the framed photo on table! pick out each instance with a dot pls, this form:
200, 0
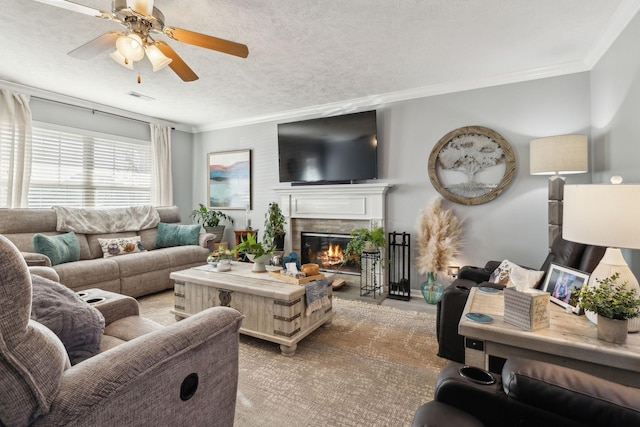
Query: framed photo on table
562, 283
229, 179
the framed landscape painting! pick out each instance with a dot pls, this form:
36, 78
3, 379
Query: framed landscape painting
229, 179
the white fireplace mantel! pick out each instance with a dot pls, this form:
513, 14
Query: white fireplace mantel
346, 202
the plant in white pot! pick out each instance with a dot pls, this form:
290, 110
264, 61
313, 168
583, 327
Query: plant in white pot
439, 241
210, 220
614, 304
257, 252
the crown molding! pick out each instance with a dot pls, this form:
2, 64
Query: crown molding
619, 21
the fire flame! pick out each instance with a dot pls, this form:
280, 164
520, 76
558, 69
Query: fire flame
332, 256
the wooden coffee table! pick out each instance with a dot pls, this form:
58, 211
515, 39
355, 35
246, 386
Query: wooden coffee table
570, 341
273, 310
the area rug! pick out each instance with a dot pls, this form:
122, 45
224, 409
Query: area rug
372, 367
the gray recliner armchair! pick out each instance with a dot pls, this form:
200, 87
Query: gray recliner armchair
183, 374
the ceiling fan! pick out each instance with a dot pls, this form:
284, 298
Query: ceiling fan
141, 19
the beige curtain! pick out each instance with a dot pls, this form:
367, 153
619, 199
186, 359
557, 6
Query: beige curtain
15, 149
161, 178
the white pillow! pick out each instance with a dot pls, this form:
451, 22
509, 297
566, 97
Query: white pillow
121, 246
511, 274
523, 278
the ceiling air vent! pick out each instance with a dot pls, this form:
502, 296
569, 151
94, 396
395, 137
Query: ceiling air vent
141, 96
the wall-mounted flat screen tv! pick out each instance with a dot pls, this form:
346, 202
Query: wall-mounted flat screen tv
338, 149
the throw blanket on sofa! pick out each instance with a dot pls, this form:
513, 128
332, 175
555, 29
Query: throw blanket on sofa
97, 221
317, 295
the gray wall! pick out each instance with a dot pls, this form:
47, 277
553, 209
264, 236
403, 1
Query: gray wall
615, 97
512, 226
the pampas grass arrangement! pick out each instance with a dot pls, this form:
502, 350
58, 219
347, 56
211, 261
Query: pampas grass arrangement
439, 237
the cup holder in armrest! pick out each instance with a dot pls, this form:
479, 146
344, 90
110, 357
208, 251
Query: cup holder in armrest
477, 375
81, 294
94, 301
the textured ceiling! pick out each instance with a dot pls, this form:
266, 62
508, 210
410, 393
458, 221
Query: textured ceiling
309, 55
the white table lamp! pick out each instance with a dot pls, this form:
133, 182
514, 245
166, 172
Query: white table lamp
605, 215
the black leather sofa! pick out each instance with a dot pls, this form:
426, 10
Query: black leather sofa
451, 305
529, 393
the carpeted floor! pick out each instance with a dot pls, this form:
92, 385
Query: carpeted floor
373, 367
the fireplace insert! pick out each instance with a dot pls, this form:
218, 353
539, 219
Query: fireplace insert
327, 250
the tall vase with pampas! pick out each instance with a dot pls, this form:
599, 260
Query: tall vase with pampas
439, 241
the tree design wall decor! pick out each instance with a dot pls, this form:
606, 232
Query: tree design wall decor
471, 165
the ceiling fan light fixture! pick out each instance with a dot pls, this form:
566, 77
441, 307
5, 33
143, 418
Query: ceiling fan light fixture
143, 7
156, 57
130, 46
115, 55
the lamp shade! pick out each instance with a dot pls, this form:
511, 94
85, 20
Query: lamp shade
559, 155
130, 46
143, 7
602, 214
121, 59
156, 57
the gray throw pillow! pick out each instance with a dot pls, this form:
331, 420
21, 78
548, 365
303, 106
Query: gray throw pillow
177, 235
61, 248
78, 325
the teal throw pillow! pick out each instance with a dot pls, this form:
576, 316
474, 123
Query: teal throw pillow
177, 235
61, 248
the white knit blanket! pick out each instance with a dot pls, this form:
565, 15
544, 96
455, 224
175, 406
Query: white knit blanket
96, 221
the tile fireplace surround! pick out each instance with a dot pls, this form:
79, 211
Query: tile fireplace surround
330, 209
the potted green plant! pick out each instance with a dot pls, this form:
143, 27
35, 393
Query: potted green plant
274, 223
614, 304
210, 220
255, 251
365, 240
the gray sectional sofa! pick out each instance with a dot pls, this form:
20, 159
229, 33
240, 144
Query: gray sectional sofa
134, 274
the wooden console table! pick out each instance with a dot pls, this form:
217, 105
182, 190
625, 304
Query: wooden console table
570, 341
273, 310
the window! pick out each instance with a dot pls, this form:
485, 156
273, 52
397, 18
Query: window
78, 168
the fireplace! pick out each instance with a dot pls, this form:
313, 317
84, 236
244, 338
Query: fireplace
334, 210
327, 250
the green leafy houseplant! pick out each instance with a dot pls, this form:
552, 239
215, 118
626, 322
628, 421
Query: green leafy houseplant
208, 217
610, 300
251, 246
274, 223
361, 238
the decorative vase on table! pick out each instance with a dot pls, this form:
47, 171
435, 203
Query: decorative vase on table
258, 262
431, 289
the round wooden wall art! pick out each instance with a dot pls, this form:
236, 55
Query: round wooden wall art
471, 165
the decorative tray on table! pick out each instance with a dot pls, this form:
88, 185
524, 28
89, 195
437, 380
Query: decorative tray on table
294, 280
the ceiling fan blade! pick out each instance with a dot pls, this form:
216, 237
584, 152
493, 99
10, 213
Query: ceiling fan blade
96, 46
76, 7
177, 64
209, 42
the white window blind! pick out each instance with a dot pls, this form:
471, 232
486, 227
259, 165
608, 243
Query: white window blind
88, 171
